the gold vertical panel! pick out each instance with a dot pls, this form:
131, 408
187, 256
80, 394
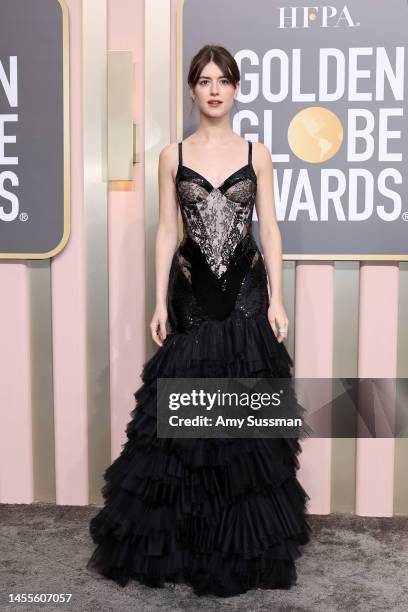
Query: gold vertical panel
289, 284
179, 69
136, 143
44, 484
401, 444
94, 15
157, 131
180, 84
120, 115
42, 384
346, 300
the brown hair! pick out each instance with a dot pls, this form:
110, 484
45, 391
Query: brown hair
220, 56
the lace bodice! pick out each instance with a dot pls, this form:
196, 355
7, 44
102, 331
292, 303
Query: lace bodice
217, 267
216, 218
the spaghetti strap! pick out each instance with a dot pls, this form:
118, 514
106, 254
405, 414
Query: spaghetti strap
180, 153
249, 152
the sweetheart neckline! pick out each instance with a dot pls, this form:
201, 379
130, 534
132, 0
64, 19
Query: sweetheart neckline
208, 182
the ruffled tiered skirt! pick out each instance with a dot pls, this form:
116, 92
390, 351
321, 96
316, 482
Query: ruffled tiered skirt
222, 515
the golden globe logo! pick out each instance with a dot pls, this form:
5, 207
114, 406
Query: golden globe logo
315, 134
291, 17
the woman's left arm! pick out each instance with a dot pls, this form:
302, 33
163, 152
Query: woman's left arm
270, 238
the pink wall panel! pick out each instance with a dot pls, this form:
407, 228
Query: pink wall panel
127, 317
16, 458
68, 273
378, 329
314, 359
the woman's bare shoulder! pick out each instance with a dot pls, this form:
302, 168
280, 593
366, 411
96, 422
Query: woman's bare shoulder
168, 159
169, 152
261, 150
261, 156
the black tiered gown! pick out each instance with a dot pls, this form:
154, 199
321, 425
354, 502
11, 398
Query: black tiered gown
223, 515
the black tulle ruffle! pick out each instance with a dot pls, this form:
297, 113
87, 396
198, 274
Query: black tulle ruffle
223, 515
236, 347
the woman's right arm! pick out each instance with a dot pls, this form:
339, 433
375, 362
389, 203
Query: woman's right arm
166, 239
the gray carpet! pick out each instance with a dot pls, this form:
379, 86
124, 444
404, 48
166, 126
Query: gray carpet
351, 563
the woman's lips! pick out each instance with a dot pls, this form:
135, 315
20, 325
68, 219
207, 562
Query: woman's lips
214, 103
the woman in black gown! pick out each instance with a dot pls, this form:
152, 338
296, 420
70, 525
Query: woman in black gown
223, 515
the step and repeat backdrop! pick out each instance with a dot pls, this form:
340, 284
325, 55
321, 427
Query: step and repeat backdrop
34, 129
325, 88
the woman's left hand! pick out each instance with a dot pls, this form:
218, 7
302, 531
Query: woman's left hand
278, 320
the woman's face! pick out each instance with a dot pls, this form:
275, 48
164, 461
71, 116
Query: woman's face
214, 93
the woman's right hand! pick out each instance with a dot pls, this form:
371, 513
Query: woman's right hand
158, 325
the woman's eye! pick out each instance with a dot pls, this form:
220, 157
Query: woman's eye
205, 81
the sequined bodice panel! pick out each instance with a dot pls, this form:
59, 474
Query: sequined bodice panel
217, 267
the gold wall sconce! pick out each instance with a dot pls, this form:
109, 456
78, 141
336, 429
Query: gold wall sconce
122, 132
